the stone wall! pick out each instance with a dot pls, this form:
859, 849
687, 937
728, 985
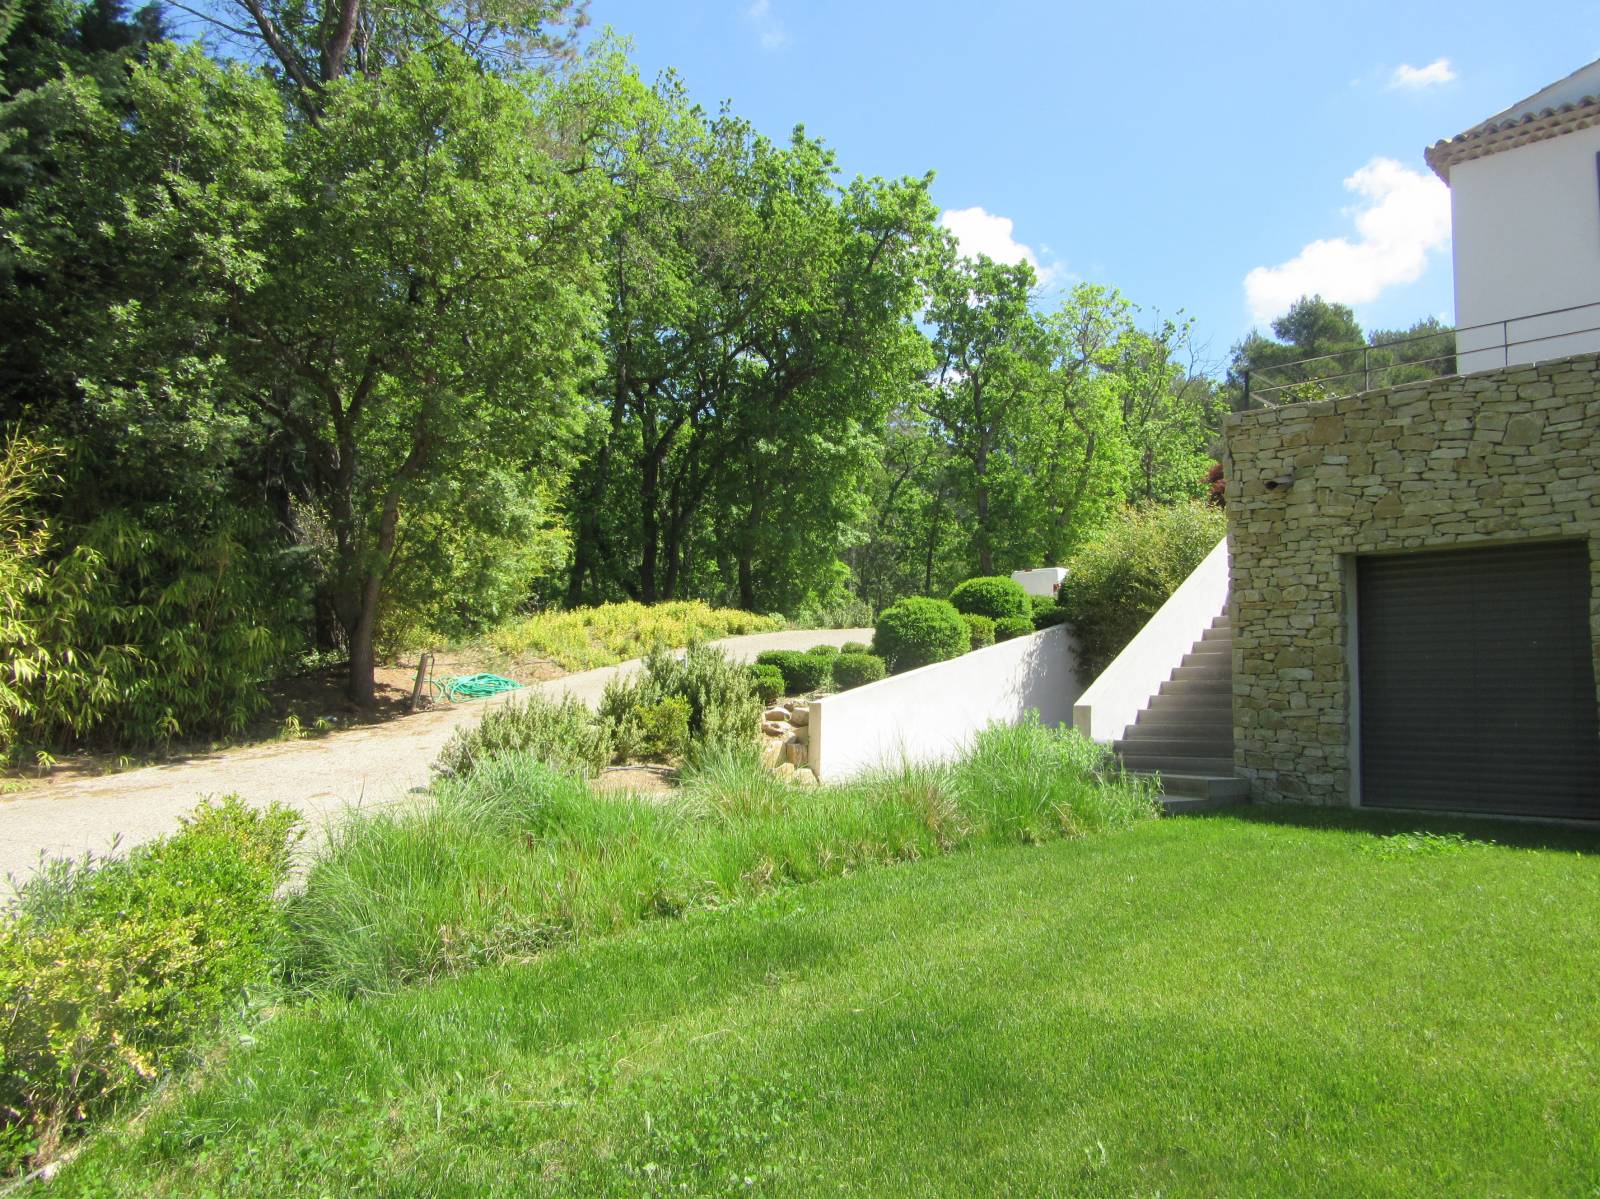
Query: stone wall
1497, 457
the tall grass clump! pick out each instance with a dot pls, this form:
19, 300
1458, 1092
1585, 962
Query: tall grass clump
561, 732
584, 638
518, 855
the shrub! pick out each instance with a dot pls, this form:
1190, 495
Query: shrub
1012, 626
857, 670
1047, 613
980, 630
855, 647
993, 596
720, 694
584, 638
918, 631
802, 673
768, 681
841, 611
559, 731
824, 651
1120, 577
113, 971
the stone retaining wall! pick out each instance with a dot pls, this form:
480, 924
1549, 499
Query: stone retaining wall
1497, 457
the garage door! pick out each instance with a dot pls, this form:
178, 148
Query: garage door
1477, 681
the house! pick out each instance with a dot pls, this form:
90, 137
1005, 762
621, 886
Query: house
1525, 210
1410, 610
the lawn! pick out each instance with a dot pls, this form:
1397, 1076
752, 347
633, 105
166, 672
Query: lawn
1277, 1003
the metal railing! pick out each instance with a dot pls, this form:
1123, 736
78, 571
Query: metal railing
1317, 386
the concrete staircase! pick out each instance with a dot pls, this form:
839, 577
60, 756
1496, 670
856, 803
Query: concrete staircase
1185, 732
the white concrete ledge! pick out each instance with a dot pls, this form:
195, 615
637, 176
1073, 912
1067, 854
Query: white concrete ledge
1111, 702
931, 714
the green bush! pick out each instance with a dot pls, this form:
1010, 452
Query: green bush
1119, 578
113, 971
824, 651
802, 673
560, 731
993, 596
855, 647
720, 694
768, 681
842, 611
980, 629
857, 670
1049, 615
918, 631
1012, 626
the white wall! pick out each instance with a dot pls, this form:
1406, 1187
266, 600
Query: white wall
1043, 580
931, 714
1110, 703
1527, 240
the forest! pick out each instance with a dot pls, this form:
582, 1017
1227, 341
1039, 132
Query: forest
344, 328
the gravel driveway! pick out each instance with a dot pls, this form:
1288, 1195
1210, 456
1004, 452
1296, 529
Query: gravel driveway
321, 777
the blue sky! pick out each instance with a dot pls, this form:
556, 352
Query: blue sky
1217, 158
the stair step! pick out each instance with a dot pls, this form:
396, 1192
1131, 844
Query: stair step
1165, 743
1190, 709
1206, 764
1189, 686
1210, 672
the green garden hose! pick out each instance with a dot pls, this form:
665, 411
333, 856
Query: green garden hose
472, 686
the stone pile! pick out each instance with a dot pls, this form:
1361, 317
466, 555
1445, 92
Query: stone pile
786, 739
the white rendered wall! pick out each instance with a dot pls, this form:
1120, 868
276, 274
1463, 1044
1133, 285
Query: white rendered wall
932, 713
1045, 580
1111, 702
1526, 228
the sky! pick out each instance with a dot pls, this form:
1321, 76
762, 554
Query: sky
1219, 159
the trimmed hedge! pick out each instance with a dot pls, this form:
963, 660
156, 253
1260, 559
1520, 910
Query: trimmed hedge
857, 670
768, 681
919, 631
802, 672
994, 596
980, 629
824, 651
855, 647
1012, 626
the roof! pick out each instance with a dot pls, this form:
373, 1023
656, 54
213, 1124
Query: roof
1565, 106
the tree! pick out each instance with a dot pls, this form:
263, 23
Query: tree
757, 315
398, 291
986, 343
313, 45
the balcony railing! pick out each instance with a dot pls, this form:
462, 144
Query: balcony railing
1489, 346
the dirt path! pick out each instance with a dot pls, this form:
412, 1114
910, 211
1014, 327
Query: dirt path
321, 778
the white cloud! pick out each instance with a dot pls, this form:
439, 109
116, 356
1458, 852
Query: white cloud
978, 231
1416, 78
1403, 216
768, 27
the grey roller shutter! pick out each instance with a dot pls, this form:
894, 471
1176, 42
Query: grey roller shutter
1477, 681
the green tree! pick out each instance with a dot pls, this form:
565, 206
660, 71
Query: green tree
398, 292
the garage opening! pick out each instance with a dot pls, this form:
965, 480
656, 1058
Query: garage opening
1477, 685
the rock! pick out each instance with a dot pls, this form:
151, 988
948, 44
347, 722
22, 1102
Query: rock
794, 752
772, 755
799, 715
776, 728
784, 769
776, 713
804, 778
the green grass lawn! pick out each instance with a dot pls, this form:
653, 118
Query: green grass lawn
1230, 1005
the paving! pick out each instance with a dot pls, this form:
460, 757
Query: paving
322, 777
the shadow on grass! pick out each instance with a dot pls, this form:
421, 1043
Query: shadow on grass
1507, 831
